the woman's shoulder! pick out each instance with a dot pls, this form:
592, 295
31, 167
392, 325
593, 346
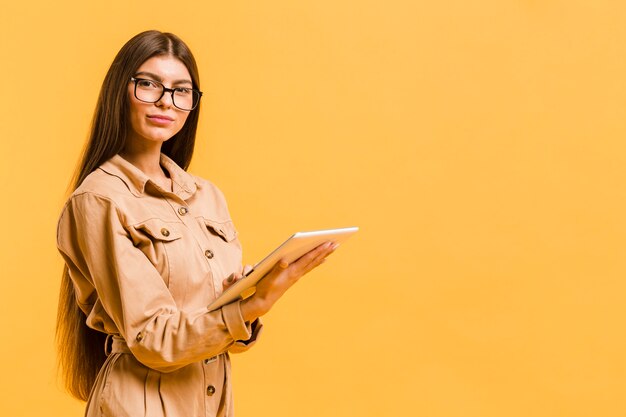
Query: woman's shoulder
96, 192
99, 183
103, 186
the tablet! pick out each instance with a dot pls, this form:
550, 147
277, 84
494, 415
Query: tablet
290, 250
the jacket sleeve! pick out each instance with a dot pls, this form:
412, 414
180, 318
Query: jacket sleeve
112, 274
255, 328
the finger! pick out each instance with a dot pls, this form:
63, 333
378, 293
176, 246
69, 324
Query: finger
313, 254
247, 269
327, 250
232, 278
321, 258
281, 265
310, 255
317, 262
278, 268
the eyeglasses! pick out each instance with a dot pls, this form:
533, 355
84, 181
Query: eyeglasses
150, 91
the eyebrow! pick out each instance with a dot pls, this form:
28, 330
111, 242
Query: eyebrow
160, 79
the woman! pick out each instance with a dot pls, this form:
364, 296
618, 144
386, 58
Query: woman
148, 246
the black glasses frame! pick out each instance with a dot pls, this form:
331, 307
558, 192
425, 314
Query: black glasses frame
164, 90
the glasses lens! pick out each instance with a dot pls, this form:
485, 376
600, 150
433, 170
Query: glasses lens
149, 91
186, 98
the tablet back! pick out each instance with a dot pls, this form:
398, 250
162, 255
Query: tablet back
290, 250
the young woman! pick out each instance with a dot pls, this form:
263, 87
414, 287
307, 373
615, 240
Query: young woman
148, 246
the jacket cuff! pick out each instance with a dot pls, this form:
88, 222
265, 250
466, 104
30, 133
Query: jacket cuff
231, 313
243, 345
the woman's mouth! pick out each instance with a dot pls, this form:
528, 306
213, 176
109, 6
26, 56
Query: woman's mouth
160, 119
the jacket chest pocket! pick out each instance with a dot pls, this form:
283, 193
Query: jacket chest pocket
160, 242
222, 249
224, 230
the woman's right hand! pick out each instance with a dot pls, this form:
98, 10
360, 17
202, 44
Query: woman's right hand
282, 276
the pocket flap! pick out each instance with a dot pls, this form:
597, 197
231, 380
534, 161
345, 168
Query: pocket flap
159, 230
226, 230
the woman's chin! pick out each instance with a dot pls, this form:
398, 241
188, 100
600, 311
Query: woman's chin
154, 137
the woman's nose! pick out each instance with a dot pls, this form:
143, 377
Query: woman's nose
165, 100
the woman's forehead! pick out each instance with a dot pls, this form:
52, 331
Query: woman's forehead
165, 68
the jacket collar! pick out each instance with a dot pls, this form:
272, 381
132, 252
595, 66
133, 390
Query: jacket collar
184, 184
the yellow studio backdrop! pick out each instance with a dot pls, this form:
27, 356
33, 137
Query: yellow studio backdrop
479, 146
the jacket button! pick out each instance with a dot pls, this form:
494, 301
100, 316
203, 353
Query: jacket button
165, 232
182, 211
208, 253
210, 390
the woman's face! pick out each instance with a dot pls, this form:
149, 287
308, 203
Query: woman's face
158, 122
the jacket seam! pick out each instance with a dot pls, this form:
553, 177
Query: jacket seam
119, 212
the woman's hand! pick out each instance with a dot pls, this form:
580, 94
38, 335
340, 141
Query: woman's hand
273, 285
236, 276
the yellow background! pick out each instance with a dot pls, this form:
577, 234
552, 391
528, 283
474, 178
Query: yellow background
479, 145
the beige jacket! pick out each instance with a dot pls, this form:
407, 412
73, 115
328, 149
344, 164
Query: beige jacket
145, 263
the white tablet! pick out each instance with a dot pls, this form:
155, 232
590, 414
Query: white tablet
292, 249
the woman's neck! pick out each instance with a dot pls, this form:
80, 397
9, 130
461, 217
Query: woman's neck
147, 160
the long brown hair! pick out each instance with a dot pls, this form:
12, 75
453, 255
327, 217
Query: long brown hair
81, 349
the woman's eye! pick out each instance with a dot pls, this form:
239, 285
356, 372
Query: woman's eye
183, 91
147, 84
